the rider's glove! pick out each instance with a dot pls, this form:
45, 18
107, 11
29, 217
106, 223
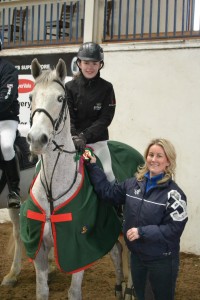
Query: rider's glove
79, 142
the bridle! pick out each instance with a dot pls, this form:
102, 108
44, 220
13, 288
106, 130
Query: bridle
62, 115
60, 148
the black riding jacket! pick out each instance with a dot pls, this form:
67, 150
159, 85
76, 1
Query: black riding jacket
91, 104
160, 214
9, 104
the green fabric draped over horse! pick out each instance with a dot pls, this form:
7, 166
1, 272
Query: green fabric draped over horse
84, 228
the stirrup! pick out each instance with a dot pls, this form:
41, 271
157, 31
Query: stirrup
14, 200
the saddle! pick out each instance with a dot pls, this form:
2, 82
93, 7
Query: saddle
26, 161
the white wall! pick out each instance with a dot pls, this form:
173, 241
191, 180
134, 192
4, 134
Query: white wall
157, 92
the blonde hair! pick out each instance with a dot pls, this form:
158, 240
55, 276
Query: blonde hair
170, 154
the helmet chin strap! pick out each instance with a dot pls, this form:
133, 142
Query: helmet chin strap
102, 65
77, 63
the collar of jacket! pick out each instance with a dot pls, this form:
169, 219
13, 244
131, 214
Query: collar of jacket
152, 181
143, 184
88, 82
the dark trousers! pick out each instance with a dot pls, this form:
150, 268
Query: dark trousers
162, 274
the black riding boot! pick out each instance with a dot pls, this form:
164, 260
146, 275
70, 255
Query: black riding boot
13, 179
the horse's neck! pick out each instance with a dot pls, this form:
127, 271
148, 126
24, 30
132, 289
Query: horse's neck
58, 171
59, 167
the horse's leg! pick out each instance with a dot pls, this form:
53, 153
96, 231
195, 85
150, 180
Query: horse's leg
11, 277
116, 256
74, 292
42, 270
127, 285
129, 290
51, 264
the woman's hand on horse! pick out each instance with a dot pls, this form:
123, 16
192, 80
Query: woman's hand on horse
92, 158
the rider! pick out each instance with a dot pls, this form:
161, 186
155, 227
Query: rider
9, 119
91, 102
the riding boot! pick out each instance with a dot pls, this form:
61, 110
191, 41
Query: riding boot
12, 171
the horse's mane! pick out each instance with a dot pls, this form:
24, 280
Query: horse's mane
47, 76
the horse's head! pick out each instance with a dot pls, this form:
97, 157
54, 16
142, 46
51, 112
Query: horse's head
48, 105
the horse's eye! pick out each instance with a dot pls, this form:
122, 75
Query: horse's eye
60, 99
30, 97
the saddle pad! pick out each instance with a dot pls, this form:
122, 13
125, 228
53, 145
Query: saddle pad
84, 228
125, 160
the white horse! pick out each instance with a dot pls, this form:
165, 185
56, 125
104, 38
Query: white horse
61, 177
26, 176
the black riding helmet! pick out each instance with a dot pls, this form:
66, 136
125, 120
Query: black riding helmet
91, 52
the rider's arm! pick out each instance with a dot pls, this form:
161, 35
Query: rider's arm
8, 86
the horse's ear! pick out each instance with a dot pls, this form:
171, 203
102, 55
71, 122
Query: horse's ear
61, 69
36, 69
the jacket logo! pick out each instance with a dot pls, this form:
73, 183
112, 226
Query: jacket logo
178, 206
137, 192
9, 87
84, 229
98, 106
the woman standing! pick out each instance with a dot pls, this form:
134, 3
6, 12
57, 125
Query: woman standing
154, 218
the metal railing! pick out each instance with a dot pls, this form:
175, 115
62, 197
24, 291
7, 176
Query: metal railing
43, 24
138, 20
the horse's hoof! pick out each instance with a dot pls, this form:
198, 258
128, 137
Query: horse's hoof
119, 296
74, 296
118, 292
51, 276
128, 294
9, 282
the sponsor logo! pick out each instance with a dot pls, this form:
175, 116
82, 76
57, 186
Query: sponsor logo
25, 86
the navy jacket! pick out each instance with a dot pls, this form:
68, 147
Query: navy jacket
91, 104
160, 214
9, 104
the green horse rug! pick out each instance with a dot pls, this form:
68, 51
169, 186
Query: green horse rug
84, 228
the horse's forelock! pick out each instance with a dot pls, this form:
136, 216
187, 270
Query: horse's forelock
47, 76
